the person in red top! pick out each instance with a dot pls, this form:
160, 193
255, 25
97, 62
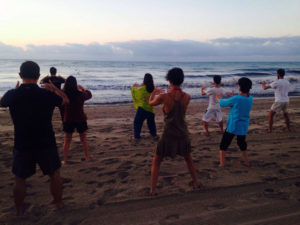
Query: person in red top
74, 116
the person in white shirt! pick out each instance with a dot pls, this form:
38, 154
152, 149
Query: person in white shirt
281, 90
213, 109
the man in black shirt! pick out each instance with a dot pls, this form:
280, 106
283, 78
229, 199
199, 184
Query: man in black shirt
31, 109
57, 81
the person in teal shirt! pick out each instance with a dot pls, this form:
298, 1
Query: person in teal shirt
140, 97
238, 119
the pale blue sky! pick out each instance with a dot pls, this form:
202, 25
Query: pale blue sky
57, 22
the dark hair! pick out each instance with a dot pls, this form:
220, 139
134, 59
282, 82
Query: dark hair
70, 87
30, 70
53, 70
175, 76
148, 82
245, 84
281, 72
217, 79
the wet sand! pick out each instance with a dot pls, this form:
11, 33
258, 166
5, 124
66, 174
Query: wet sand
113, 188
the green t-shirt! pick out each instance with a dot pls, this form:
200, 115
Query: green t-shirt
140, 97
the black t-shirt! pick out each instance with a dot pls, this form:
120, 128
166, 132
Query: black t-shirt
31, 109
57, 81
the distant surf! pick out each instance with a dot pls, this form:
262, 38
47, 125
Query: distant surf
110, 81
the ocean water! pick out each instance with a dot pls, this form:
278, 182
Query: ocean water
110, 81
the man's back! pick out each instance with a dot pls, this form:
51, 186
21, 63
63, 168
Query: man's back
31, 110
56, 80
281, 87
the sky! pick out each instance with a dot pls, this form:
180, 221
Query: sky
150, 30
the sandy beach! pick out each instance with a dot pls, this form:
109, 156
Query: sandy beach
113, 188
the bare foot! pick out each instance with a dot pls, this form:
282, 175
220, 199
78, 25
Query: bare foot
221, 165
64, 162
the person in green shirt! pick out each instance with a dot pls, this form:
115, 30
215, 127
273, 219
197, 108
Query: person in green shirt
140, 96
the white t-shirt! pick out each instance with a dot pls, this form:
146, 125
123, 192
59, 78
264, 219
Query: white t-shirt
212, 93
281, 87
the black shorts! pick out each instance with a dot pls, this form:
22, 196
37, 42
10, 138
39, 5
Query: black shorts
227, 138
24, 163
69, 127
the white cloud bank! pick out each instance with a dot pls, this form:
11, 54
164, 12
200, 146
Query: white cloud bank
221, 49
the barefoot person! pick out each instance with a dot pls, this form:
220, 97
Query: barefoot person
31, 110
74, 116
214, 109
281, 89
175, 138
57, 81
238, 119
140, 96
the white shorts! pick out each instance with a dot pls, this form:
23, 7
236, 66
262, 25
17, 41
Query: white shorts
280, 106
210, 113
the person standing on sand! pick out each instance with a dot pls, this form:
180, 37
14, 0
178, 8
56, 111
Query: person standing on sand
31, 110
57, 81
281, 89
238, 120
140, 96
74, 116
175, 138
213, 109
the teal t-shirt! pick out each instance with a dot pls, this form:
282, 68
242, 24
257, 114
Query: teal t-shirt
239, 114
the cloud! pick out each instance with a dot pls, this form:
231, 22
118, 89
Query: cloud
221, 49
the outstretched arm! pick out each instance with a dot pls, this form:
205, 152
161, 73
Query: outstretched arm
265, 86
158, 100
52, 87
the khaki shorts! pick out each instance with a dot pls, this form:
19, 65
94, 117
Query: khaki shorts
210, 113
280, 106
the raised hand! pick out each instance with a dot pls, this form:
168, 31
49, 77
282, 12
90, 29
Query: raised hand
18, 84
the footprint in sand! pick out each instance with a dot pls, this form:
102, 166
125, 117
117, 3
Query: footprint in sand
66, 180
123, 174
91, 182
216, 206
110, 161
292, 166
270, 178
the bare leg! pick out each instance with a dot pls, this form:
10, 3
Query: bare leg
85, 146
221, 127
67, 142
245, 157
19, 191
271, 116
56, 188
287, 121
191, 167
205, 125
222, 158
154, 173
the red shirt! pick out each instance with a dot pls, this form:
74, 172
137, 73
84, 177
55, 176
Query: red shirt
74, 110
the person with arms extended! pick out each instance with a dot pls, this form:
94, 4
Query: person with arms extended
57, 81
213, 109
281, 89
238, 120
31, 110
175, 138
74, 116
140, 96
